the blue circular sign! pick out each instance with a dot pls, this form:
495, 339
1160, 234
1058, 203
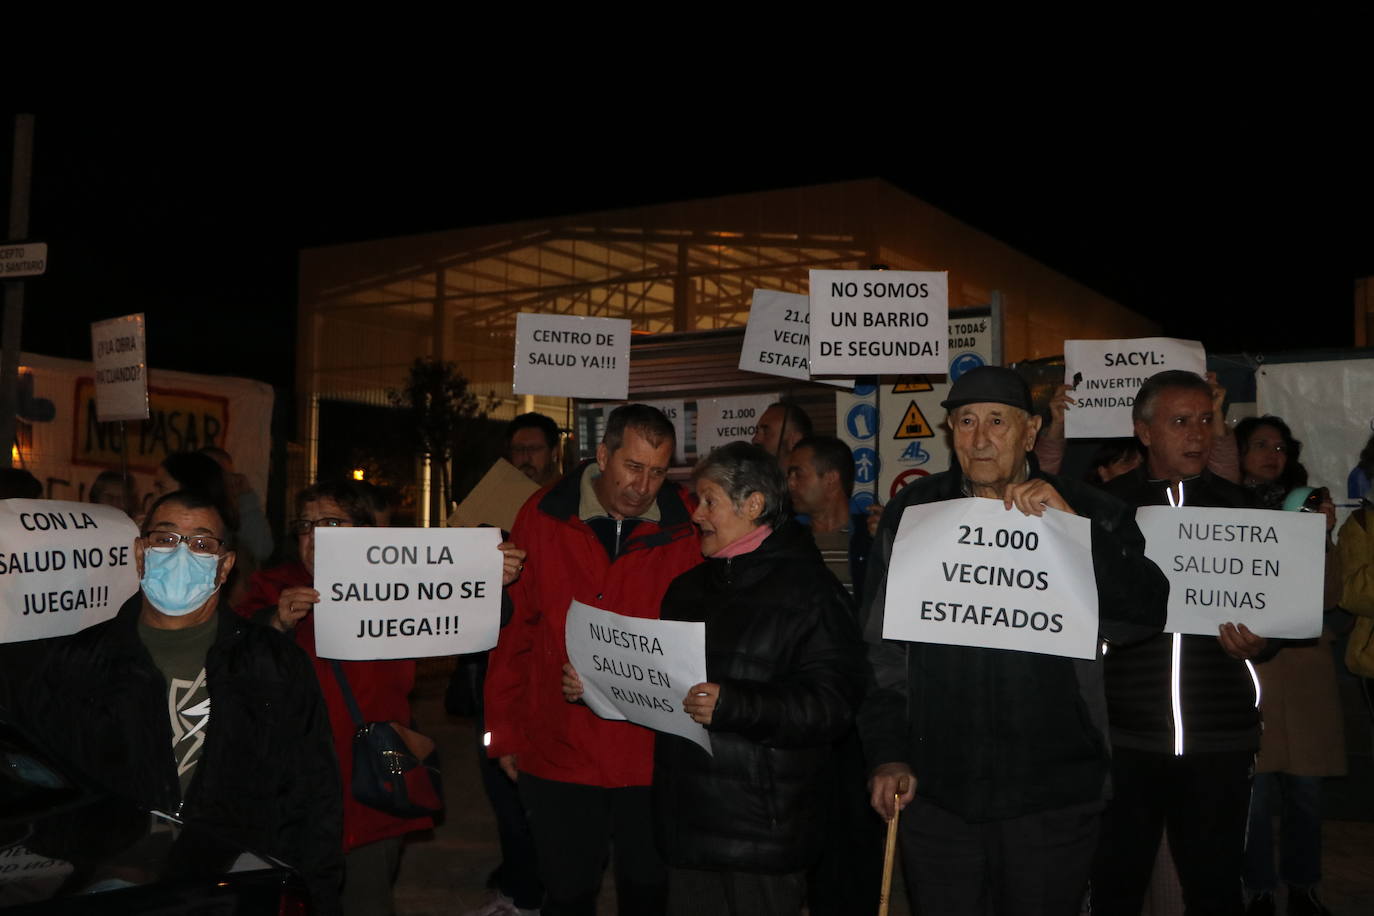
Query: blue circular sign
865, 465
862, 421
864, 390
860, 501
963, 363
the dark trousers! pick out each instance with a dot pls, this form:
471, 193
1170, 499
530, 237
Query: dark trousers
517, 877
1032, 865
1203, 800
575, 828
736, 893
1297, 802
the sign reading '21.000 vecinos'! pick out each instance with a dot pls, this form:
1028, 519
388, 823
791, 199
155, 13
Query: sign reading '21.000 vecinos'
970, 572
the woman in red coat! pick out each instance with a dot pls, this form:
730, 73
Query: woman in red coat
284, 597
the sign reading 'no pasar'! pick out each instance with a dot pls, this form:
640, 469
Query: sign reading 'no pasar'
970, 572
879, 322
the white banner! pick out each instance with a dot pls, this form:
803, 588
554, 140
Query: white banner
406, 592
63, 566
1253, 566
969, 572
572, 357
120, 357
871, 322
777, 340
1108, 373
1330, 408
65, 446
722, 420
637, 669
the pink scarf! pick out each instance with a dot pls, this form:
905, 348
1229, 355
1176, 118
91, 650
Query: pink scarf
745, 544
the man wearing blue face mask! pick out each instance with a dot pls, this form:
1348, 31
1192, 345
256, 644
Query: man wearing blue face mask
194, 711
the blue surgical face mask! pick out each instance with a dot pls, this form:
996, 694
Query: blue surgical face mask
176, 581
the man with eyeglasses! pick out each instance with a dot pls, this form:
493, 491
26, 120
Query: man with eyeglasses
532, 446
193, 711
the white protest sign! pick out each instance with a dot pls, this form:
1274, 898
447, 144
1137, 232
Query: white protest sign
63, 566
638, 669
406, 592
969, 572
572, 357
777, 340
876, 322
722, 420
1253, 566
1108, 374
121, 368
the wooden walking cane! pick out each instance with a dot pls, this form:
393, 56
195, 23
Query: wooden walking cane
890, 853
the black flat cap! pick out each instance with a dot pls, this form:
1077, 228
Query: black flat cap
989, 384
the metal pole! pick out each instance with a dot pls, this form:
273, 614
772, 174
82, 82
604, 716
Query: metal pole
20, 175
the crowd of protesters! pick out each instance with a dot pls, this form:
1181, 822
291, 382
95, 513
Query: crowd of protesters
1033, 783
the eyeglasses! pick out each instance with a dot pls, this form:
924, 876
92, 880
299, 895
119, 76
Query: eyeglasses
201, 544
303, 526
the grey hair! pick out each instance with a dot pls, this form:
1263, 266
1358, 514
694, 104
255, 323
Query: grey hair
741, 469
1143, 410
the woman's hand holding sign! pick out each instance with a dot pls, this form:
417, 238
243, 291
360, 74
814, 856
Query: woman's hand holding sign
700, 702
294, 604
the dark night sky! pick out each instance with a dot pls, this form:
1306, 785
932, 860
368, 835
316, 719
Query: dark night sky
1221, 237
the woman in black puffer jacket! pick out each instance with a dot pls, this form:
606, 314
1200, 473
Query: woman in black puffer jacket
785, 669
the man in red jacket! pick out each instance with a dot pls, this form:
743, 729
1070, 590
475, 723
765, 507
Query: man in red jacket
610, 534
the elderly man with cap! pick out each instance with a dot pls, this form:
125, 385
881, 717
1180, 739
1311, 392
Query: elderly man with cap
1001, 754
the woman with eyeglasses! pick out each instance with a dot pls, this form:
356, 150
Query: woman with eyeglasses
1303, 739
284, 597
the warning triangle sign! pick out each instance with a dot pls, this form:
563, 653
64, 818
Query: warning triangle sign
913, 425
909, 383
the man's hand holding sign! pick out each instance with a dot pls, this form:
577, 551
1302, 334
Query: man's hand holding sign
985, 618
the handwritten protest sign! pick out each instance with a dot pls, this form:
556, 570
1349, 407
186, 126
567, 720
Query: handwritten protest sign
121, 368
722, 420
777, 340
1110, 372
573, 357
876, 322
1253, 566
63, 566
638, 669
406, 592
969, 572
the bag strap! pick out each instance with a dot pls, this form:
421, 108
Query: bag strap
353, 710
